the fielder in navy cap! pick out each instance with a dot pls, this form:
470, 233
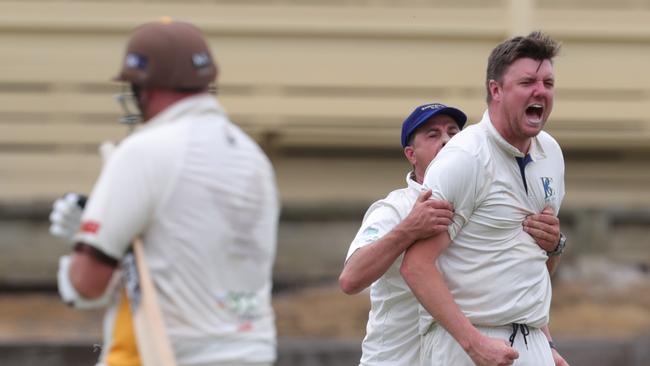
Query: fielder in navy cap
390, 226
423, 113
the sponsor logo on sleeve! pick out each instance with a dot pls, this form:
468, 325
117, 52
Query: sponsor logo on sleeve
370, 234
90, 227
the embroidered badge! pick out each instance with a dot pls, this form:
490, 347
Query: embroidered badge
200, 60
370, 234
136, 61
548, 189
90, 227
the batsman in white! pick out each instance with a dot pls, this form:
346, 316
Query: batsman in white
485, 281
394, 223
202, 196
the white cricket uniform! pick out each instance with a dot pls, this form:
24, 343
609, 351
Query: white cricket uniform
392, 336
202, 195
495, 271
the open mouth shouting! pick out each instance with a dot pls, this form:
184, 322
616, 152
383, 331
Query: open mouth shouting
534, 113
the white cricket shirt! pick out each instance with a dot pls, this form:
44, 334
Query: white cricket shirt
495, 271
202, 195
392, 336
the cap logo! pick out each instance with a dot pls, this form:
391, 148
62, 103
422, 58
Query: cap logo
135, 61
432, 106
200, 60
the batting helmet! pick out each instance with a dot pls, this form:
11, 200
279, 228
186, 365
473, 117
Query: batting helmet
168, 54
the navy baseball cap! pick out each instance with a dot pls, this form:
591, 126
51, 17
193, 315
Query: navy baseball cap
422, 114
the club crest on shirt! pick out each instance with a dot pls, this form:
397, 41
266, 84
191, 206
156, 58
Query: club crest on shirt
549, 192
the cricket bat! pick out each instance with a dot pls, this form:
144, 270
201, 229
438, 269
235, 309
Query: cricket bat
150, 333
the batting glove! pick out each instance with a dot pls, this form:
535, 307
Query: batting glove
65, 219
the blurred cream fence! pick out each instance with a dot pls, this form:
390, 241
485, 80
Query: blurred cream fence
323, 86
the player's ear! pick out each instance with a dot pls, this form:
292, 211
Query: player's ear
410, 154
495, 89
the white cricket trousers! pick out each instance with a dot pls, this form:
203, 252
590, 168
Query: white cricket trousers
439, 348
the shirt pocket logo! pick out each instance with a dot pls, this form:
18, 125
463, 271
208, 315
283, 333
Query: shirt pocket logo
549, 192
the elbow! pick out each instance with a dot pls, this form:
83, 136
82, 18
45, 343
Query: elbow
407, 270
348, 285
413, 269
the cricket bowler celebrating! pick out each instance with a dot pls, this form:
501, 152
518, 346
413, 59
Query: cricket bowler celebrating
485, 281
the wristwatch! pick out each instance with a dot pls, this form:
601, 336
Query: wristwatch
560, 246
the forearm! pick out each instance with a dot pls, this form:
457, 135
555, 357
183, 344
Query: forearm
558, 360
547, 332
431, 291
84, 289
428, 286
369, 263
552, 262
90, 271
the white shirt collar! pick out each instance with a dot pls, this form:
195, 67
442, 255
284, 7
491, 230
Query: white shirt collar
195, 104
411, 183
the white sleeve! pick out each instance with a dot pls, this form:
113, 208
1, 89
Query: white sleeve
378, 221
122, 201
453, 176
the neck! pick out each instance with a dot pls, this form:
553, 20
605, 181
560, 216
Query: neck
417, 175
157, 100
500, 123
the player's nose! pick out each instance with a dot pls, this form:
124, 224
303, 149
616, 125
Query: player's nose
541, 89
